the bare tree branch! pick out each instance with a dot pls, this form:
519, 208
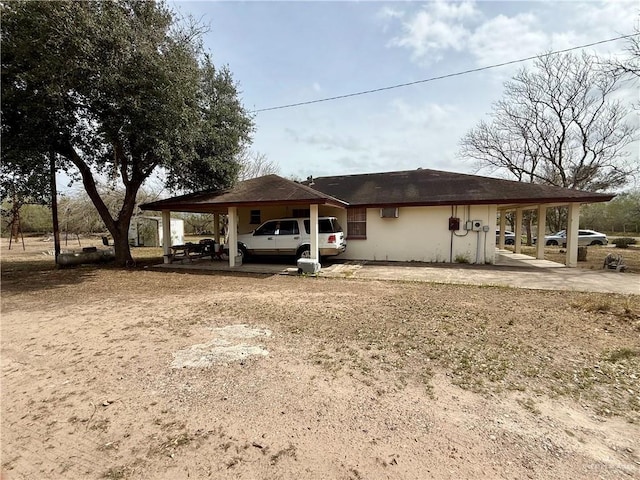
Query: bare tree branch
255, 164
558, 124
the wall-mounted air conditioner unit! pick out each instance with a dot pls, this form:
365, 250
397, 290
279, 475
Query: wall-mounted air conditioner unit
388, 213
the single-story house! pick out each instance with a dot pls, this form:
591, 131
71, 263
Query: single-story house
415, 215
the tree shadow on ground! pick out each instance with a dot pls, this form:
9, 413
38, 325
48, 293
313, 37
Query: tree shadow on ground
36, 275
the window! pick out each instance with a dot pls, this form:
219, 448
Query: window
268, 228
357, 223
255, 217
325, 225
288, 227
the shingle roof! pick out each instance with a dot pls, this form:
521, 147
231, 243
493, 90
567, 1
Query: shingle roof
270, 190
433, 187
422, 187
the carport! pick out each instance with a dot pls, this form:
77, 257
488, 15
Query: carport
270, 190
573, 223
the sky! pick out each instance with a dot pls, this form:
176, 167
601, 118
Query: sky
288, 52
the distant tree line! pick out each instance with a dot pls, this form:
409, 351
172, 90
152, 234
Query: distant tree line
620, 215
78, 216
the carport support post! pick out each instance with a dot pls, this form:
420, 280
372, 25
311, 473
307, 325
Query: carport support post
518, 232
166, 235
233, 235
542, 227
572, 235
503, 227
314, 232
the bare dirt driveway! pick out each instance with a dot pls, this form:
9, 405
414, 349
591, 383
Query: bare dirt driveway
155, 375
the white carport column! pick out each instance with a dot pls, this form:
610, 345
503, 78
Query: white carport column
233, 235
314, 232
166, 235
518, 232
503, 226
542, 228
572, 235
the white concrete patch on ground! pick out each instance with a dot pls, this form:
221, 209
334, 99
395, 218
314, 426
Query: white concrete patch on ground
220, 349
241, 330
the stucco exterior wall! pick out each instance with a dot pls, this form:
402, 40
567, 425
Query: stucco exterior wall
422, 234
418, 234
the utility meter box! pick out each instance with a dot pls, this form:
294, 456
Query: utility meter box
476, 225
308, 265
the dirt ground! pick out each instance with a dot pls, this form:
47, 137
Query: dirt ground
143, 374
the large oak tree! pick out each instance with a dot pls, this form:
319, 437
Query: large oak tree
117, 89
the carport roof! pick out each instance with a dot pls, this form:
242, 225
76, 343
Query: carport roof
267, 190
424, 187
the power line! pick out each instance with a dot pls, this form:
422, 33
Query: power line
448, 75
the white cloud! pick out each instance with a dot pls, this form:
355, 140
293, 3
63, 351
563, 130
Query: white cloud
407, 135
387, 13
442, 27
605, 17
429, 114
437, 27
328, 141
507, 38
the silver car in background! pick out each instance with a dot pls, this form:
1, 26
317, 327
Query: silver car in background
509, 237
585, 238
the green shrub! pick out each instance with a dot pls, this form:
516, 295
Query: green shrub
623, 242
461, 259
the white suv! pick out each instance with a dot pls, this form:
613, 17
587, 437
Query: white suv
290, 236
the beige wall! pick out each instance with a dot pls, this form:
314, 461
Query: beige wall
422, 234
419, 233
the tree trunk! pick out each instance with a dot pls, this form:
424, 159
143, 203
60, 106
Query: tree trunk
119, 227
121, 245
54, 206
528, 221
120, 232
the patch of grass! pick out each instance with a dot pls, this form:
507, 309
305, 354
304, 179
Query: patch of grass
101, 424
621, 354
233, 462
289, 451
593, 305
529, 405
461, 259
182, 439
109, 446
623, 242
115, 473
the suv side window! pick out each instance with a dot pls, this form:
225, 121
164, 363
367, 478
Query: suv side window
268, 228
288, 227
325, 225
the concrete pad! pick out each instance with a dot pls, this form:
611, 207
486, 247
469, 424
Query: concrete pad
511, 270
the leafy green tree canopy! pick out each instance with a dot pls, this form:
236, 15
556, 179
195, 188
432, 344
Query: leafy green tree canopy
117, 88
